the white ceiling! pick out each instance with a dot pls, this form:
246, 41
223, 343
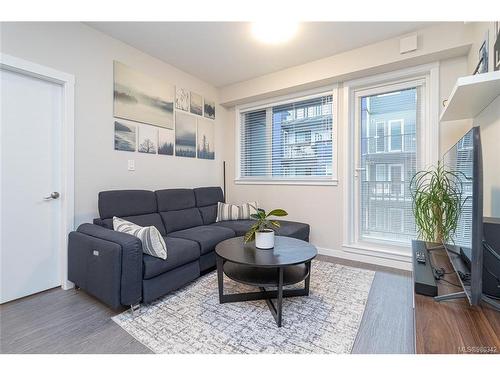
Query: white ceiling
222, 53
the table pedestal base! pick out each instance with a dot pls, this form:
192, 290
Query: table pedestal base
263, 294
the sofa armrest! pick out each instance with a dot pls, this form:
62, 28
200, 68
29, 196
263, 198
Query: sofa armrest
106, 263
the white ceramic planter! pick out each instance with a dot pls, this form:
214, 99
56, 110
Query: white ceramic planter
264, 239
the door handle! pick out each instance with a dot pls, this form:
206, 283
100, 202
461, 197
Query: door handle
357, 170
53, 195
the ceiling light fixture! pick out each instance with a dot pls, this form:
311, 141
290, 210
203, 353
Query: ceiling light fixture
274, 32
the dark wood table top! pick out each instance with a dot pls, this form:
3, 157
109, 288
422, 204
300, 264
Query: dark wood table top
454, 326
286, 252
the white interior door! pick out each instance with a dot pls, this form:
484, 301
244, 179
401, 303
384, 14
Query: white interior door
31, 118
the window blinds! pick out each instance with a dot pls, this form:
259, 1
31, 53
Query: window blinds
291, 141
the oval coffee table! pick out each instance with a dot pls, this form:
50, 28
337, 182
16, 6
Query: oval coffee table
289, 262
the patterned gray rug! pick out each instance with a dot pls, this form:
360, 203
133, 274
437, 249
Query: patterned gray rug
191, 320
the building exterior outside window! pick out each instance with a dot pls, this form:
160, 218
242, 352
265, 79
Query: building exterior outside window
388, 160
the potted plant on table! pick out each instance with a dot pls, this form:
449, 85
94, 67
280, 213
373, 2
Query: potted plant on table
263, 228
437, 203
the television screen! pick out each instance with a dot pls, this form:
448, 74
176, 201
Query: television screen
465, 158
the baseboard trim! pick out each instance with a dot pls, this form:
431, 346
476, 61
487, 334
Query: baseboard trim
371, 259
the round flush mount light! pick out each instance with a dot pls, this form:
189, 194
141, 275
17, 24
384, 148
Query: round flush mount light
274, 32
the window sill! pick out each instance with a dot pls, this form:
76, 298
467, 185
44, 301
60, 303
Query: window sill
393, 252
287, 182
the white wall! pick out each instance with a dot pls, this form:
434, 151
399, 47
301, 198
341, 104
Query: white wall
77, 49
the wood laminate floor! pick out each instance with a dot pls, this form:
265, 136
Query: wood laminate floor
70, 321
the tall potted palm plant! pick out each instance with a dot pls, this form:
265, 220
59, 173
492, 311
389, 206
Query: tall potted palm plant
437, 203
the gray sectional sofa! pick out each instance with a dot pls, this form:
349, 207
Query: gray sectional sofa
111, 265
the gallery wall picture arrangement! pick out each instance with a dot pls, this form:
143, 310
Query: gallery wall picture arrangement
206, 139
196, 104
209, 108
125, 135
141, 98
185, 135
182, 98
149, 118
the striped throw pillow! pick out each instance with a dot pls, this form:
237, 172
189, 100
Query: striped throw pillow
152, 241
235, 211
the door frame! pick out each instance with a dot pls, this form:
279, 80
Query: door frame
429, 73
67, 83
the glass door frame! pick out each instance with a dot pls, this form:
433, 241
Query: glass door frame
426, 76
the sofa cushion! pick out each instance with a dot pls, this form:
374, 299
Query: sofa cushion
124, 203
206, 201
175, 199
227, 211
208, 214
152, 241
208, 196
207, 236
287, 229
180, 252
181, 219
240, 227
293, 229
178, 210
142, 220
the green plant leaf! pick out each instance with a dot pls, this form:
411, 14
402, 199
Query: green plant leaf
261, 213
250, 235
437, 202
277, 212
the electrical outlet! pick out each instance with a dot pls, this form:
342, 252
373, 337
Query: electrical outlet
131, 165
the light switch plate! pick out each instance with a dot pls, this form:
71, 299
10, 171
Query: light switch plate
131, 165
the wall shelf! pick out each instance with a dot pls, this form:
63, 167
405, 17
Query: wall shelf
471, 95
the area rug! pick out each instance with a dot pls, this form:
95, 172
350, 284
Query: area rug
191, 320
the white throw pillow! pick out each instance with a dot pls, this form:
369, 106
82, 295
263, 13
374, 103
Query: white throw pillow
152, 241
243, 211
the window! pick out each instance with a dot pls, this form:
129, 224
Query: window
396, 178
288, 141
380, 136
380, 177
396, 220
396, 135
380, 172
400, 106
386, 119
